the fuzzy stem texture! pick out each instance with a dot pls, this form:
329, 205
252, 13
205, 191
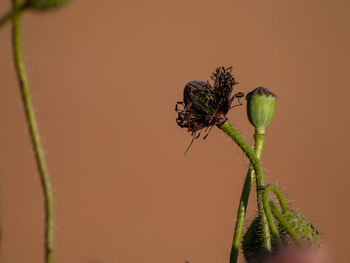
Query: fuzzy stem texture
279, 195
268, 213
35, 135
260, 182
272, 210
13, 13
283, 222
243, 203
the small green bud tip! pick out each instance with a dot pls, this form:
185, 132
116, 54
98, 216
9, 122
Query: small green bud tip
260, 108
253, 243
46, 4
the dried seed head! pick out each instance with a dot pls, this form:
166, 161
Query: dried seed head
205, 105
260, 108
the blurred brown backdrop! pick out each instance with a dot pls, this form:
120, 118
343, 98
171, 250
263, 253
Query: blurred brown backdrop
105, 76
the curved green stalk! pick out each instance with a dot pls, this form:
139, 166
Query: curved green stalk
273, 227
35, 135
282, 221
269, 207
243, 203
12, 14
269, 216
279, 195
260, 182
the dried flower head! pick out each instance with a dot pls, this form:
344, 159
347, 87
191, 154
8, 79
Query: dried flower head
204, 104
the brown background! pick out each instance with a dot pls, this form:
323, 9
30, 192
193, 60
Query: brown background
105, 76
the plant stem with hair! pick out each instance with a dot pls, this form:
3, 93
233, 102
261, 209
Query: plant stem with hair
268, 206
279, 195
243, 203
283, 222
34, 133
260, 182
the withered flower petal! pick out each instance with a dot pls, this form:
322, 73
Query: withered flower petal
204, 104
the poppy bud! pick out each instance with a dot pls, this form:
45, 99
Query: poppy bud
46, 4
253, 243
306, 231
260, 108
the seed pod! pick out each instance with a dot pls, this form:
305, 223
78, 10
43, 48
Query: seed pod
253, 244
46, 4
260, 107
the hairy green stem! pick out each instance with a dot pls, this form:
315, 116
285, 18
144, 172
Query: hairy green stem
269, 216
279, 195
13, 13
260, 182
35, 136
268, 206
283, 222
273, 227
243, 203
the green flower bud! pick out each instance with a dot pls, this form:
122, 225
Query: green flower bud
306, 231
253, 243
46, 4
260, 108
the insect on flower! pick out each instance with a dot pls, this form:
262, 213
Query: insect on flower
205, 105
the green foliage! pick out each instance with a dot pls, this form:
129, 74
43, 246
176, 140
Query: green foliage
47, 4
